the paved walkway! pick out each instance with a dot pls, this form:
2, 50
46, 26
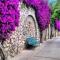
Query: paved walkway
49, 50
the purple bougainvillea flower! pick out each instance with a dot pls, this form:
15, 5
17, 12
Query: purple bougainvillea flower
1, 5
9, 16
43, 17
42, 12
33, 3
57, 24
4, 19
10, 19
4, 28
12, 27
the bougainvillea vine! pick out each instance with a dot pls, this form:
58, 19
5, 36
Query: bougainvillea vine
42, 12
43, 17
57, 24
9, 17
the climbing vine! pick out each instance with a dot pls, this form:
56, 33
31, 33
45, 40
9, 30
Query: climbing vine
42, 12
9, 17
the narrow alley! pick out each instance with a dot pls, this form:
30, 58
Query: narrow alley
49, 50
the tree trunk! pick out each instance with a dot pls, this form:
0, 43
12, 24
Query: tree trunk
2, 55
48, 33
55, 32
41, 34
51, 34
45, 35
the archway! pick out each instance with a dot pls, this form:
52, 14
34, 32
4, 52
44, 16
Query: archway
30, 27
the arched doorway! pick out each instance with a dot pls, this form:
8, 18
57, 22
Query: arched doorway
30, 27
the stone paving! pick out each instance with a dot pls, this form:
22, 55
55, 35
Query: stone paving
49, 50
